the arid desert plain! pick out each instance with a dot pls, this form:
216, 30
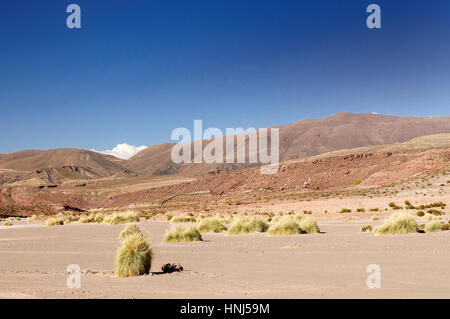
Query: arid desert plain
361, 222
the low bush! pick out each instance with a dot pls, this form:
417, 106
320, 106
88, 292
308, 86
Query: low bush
210, 224
365, 228
398, 223
130, 229
434, 227
286, 226
431, 217
134, 257
121, 218
247, 225
182, 234
54, 221
309, 226
182, 219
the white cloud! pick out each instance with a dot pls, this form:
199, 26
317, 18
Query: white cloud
123, 151
374, 113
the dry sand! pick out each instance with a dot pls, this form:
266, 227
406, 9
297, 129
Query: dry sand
33, 259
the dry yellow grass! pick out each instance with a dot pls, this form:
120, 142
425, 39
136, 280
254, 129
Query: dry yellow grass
182, 234
54, 221
435, 226
398, 223
309, 226
130, 229
134, 257
182, 219
121, 218
210, 224
286, 226
246, 225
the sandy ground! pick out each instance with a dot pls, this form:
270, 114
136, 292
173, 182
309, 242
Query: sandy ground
33, 259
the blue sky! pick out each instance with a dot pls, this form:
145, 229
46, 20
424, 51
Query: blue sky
138, 69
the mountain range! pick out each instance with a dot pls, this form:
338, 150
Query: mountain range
298, 140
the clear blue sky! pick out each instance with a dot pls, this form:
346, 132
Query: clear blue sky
138, 69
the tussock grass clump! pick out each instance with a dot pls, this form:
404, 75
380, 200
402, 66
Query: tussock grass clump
374, 209
7, 223
247, 225
420, 214
210, 224
134, 257
224, 219
276, 219
33, 218
365, 228
121, 218
345, 210
182, 234
182, 219
431, 217
434, 227
98, 218
374, 217
200, 217
307, 212
360, 210
309, 226
54, 221
130, 229
286, 226
398, 223
85, 220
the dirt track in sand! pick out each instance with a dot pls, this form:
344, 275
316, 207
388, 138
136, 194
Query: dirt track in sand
33, 259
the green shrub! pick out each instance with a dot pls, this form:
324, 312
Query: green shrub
134, 258
210, 224
398, 223
345, 210
309, 226
357, 182
420, 213
7, 223
182, 234
247, 225
360, 210
286, 226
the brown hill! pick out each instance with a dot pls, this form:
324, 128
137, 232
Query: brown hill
307, 138
60, 164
